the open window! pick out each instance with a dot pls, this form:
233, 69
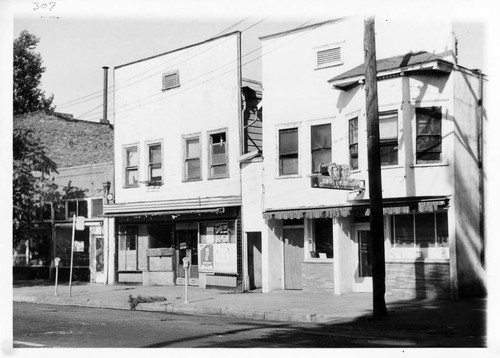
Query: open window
131, 164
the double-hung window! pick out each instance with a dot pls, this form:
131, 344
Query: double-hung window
428, 135
155, 163
321, 145
131, 167
192, 158
288, 151
353, 143
218, 155
388, 128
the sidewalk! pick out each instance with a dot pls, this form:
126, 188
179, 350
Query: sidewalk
461, 321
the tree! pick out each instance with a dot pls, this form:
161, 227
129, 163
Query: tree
32, 187
28, 70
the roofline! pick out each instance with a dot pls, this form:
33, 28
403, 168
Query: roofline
178, 49
279, 34
62, 118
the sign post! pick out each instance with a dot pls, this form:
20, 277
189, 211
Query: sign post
185, 264
78, 224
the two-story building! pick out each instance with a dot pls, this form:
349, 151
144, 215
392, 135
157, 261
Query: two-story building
182, 121
318, 240
83, 153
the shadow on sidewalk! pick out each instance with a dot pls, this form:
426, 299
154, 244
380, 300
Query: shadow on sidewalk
415, 323
39, 283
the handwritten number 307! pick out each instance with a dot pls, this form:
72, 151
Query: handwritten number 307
44, 5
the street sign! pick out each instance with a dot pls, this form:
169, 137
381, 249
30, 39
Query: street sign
80, 223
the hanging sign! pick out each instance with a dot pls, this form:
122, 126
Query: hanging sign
80, 223
336, 176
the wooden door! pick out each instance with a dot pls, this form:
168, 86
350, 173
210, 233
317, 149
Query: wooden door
254, 249
294, 255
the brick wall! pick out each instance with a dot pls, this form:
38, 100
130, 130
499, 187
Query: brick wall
317, 277
70, 142
418, 279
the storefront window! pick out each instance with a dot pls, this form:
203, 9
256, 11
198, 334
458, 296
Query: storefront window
217, 248
323, 238
160, 236
420, 230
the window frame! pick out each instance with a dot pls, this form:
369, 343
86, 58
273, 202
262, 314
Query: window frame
279, 156
440, 135
185, 139
92, 214
170, 73
210, 135
416, 244
353, 144
76, 201
127, 168
150, 165
330, 148
393, 141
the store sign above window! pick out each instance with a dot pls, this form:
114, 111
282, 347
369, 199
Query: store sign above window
336, 176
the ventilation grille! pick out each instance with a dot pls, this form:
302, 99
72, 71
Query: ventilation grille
328, 57
170, 80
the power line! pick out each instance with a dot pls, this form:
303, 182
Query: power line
213, 78
97, 94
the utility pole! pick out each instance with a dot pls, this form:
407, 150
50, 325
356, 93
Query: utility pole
374, 175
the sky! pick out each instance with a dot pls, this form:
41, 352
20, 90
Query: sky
75, 44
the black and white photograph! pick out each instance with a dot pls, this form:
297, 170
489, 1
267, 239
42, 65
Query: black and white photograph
265, 175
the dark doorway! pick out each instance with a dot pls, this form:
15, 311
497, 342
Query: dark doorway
254, 249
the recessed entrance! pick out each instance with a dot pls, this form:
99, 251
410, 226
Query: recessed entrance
363, 262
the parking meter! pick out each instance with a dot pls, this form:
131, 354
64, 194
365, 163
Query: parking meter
56, 264
185, 264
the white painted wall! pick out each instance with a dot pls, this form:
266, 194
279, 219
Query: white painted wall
208, 99
298, 95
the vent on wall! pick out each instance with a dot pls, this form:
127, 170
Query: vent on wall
329, 57
170, 80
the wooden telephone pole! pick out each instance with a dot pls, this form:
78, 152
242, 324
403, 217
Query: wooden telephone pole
374, 175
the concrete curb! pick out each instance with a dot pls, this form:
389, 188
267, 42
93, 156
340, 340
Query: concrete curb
182, 309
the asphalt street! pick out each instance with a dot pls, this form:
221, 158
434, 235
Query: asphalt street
37, 326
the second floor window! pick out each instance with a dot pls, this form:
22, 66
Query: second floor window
154, 165
192, 158
131, 166
428, 134
218, 155
353, 143
321, 145
288, 151
77, 208
388, 127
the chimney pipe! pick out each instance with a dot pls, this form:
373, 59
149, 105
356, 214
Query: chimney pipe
105, 97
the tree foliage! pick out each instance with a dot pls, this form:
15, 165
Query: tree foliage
28, 70
32, 187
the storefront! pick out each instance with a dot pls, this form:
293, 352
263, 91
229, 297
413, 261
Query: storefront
150, 248
328, 250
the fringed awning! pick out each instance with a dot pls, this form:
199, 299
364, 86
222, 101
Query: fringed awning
393, 206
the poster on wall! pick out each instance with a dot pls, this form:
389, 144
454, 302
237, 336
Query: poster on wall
79, 246
225, 258
206, 258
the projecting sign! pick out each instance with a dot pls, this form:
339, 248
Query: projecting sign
336, 176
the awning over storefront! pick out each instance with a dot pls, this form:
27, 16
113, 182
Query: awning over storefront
392, 206
172, 207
